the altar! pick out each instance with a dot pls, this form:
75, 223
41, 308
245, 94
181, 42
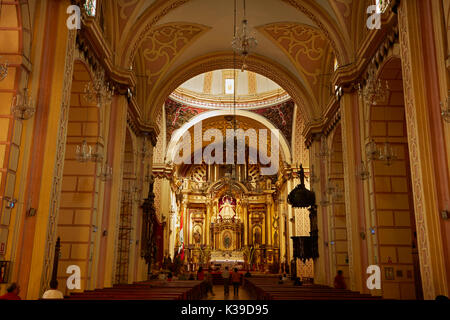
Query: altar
231, 259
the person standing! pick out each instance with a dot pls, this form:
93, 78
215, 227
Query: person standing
12, 293
236, 279
226, 281
200, 274
53, 292
209, 283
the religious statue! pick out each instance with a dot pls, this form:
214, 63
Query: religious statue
197, 236
226, 209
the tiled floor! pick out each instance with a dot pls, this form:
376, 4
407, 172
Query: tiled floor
219, 294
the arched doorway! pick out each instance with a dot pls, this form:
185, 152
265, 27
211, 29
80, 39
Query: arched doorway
391, 191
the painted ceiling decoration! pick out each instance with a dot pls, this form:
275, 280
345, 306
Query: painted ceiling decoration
142, 29
209, 90
178, 114
305, 46
162, 45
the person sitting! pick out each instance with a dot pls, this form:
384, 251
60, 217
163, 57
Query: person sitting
339, 282
284, 278
200, 274
53, 292
169, 276
12, 293
298, 282
248, 274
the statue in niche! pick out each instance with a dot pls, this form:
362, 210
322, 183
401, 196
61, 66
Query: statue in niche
227, 209
257, 237
197, 236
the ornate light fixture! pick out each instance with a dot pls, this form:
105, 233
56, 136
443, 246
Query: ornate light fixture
372, 151
3, 70
446, 109
84, 152
363, 173
330, 188
243, 41
387, 154
374, 90
106, 173
97, 155
23, 107
98, 92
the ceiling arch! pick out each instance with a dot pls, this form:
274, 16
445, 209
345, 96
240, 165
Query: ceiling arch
224, 60
177, 135
313, 12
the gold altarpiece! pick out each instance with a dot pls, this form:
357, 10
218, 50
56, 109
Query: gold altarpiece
224, 217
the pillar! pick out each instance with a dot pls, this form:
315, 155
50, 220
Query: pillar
268, 219
425, 86
245, 205
354, 198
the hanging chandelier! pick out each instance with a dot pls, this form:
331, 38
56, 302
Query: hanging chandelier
97, 155
372, 151
98, 92
23, 107
363, 173
106, 174
374, 90
84, 152
387, 154
243, 40
3, 70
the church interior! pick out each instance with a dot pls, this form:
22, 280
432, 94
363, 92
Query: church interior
289, 139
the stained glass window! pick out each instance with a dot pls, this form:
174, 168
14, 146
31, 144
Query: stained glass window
382, 5
90, 7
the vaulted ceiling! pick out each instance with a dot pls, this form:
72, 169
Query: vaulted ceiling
167, 42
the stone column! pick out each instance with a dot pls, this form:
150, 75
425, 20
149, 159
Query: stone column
268, 221
425, 86
208, 222
245, 207
354, 198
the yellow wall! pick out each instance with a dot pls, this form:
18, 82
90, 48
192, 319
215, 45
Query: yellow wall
78, 204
